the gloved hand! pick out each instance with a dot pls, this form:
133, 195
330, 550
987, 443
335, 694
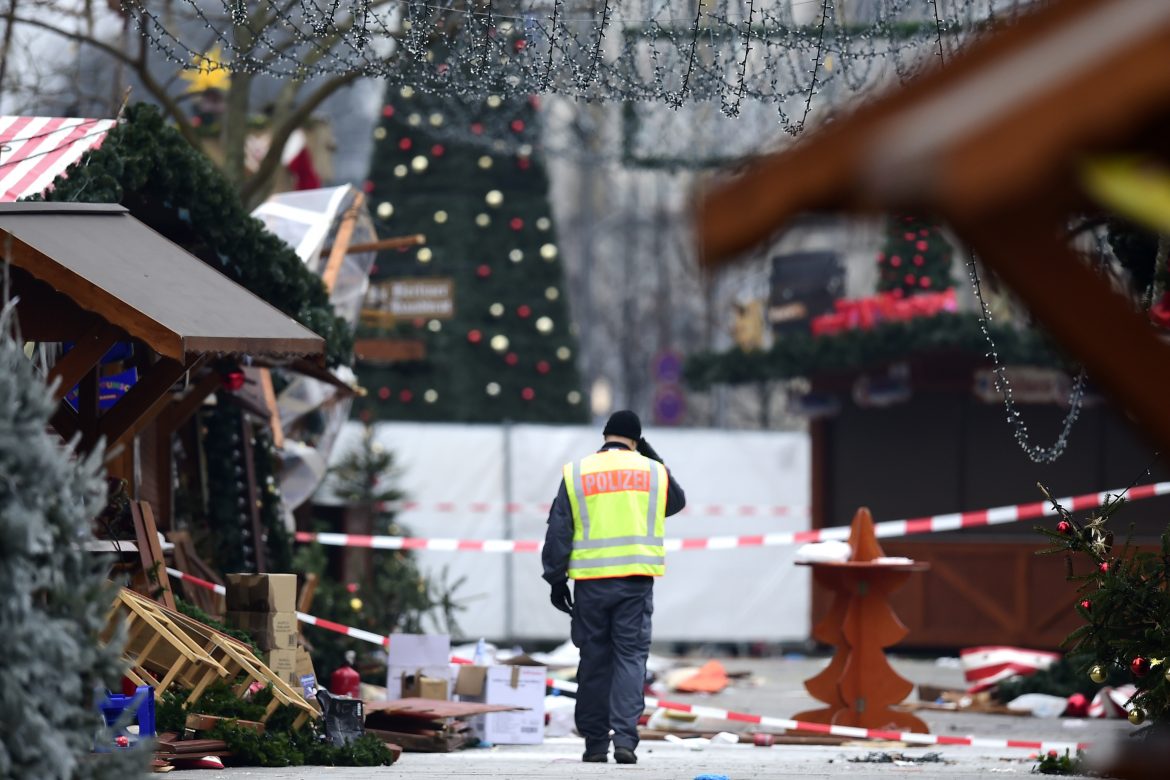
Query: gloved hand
562, 599
646, 450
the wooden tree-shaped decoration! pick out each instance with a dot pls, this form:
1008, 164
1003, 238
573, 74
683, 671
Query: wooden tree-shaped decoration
859, 685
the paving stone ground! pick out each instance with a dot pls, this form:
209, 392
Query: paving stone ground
780, 693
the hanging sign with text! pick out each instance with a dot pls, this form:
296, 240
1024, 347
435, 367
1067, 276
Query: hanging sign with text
394, 300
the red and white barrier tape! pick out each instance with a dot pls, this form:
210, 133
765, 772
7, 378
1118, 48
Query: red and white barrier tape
889, 529
712, 712
541, 509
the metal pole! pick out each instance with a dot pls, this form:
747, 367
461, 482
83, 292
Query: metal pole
509, 560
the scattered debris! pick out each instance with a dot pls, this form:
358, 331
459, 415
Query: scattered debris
900, 759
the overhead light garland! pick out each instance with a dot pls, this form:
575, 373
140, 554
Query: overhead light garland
720, 51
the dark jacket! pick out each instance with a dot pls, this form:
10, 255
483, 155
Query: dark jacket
558, 540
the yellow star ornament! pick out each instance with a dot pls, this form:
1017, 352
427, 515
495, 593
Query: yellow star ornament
209, 73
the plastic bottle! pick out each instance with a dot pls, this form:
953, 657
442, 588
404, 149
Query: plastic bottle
480, 657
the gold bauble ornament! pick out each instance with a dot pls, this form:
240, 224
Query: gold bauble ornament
1137, 716
1167, 674
1097, 673
355, 604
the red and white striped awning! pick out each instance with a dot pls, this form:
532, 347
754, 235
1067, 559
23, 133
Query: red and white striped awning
34, 150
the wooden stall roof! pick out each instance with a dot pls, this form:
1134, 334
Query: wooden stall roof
1009, 116
108, 263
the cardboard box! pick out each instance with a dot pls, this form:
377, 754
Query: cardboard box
295, 667
520, 686
415, 654
261, 592
269, 630
306, 675
419, 686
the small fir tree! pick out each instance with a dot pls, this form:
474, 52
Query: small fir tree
1125, 603
55, 595
916, 258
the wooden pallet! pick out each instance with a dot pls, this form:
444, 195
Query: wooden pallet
165, 647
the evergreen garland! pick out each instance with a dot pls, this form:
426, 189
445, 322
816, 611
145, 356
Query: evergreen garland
278, 541
148, 167
227, 500
55, 594
806, 355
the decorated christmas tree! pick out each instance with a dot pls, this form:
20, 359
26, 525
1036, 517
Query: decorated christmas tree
1125, 603
916, 258
55, 595
471, 179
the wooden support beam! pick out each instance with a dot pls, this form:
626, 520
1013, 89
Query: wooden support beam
143, 401
382, 244
341, 243
88, 408
85, 354
64, 421
154, 565
181, 409
1025, 246
269, 392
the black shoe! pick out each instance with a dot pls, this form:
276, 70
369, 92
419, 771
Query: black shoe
624, 755
595, 758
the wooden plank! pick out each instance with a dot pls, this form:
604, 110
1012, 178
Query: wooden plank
187, 560
198, 722
64, 421
341, 242
181, 409
149, 550
84, 356
269, 393
382, 244
143, 401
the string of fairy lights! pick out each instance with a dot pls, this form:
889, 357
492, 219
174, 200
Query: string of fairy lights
782, 52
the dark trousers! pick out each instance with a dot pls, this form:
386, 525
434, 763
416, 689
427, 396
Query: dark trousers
611, 626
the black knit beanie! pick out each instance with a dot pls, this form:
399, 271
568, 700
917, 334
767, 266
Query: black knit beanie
624, 423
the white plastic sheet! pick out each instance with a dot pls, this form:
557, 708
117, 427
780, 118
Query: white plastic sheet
740, 594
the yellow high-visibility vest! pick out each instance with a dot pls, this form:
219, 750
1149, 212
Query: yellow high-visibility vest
618, 499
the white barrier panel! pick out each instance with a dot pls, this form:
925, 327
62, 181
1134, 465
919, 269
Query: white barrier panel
739, 595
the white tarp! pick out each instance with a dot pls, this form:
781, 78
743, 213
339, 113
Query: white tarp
707, 595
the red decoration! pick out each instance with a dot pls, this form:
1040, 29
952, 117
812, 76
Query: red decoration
1064, 527
1086, 605
387, 111
405, 143
909, 236
484, 271
383, 393
881, 257
406, 396
477, 128
924, 232
520, 45
893, 306
351, 587
524, 311
528, 394
921, 246
511, 358
895, 261
1078, 706
418, 322
518, 125
542, 367
367, 186
345, 681
523, 163
909, 279
233, 380
474, 336
924, 282
437, 150
122, 740
516, 223
1140, 666
919, 260
1103, 567
1160, 311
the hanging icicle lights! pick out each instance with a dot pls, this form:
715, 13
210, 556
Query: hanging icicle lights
664, 51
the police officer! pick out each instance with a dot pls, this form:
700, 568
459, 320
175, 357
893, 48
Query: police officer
605, 531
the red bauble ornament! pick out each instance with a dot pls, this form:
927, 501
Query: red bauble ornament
1078, 706
921, 246
477, 128
528, 394
881, 257
122, 740
924, 232
524, 311
437, 150
919, 260
1140, 666
1064, 527
406, 396
908, 236
233, 380
895, 261
383, 393
516, 223
511, 358
351, 587
484, 271
518, 125
520, 45
405, 143
522, 163
1103, 567
367, 186
387, 111
1086, 605
542, 367
474, 336
924, 282
909, 279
